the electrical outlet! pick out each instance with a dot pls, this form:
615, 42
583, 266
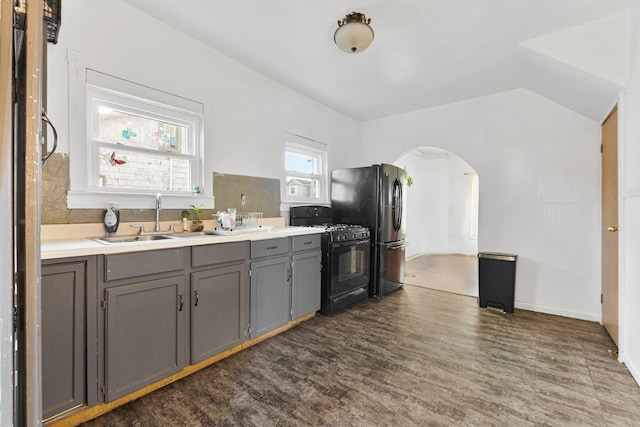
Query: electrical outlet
243, 199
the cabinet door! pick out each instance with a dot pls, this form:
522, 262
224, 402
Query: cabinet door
270, 297
305, 287
144, 334
219, 310
63, 338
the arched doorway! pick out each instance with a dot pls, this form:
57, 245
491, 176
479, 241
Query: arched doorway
441, 220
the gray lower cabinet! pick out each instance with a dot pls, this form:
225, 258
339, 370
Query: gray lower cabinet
66, 339
305, 283
144, 334
270, 286
107, 335
219, 310
270, 297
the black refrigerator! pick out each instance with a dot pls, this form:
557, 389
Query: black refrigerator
374, 196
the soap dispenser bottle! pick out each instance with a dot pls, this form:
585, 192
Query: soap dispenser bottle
111, 219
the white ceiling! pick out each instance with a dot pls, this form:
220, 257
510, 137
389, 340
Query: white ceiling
425, 52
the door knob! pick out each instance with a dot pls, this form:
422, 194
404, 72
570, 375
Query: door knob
612, 229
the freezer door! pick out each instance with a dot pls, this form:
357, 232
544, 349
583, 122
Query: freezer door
355, 196
391, 267
392, 199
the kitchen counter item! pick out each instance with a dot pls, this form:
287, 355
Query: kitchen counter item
248, 218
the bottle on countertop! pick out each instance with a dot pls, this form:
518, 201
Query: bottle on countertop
111, 219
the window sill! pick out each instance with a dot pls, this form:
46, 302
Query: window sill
98, 200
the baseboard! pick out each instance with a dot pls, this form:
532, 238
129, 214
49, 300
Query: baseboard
635, 372
409, 258
592, 317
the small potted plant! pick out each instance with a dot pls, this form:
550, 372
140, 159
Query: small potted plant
196, 222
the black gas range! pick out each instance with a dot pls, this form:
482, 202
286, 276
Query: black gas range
344, 232
346, 252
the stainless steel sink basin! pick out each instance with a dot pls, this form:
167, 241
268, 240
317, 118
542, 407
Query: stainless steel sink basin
186, 234
128, 239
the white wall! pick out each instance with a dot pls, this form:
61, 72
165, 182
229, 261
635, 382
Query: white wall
246, 114
436, 204
539, 170
458, 240
629, 183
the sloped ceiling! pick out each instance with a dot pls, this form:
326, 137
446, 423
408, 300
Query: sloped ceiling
425, 53
584, 67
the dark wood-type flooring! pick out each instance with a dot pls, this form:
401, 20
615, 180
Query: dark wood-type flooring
417, 357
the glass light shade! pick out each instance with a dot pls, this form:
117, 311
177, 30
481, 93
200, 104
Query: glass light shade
353, 37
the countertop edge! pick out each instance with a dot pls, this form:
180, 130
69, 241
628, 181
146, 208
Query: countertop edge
56, 249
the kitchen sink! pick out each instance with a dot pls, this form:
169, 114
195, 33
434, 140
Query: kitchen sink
186, 234
128, 239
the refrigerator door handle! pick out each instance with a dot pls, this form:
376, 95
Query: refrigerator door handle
400, 204
397, 205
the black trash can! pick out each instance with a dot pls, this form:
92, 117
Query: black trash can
497, 280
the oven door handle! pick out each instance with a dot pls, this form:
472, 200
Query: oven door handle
351, 243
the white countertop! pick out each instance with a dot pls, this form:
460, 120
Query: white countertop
52, 249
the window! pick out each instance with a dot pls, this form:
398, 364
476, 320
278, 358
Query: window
305, 173
138, 142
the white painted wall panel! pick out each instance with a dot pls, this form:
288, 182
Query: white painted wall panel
459, 242
629, 147
246, 114
539, 168
435, 205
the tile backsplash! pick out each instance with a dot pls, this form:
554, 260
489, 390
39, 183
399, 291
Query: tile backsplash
261, 195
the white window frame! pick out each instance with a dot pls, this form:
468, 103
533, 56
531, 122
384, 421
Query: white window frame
99, 97
86, 86
312, 148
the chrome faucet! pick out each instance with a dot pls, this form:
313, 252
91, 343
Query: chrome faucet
158, 208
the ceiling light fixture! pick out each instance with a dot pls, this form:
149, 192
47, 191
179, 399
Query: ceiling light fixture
354, 34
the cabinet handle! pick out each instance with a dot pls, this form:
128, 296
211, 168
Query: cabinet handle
308, 243
181, 303
197, 298
272, 247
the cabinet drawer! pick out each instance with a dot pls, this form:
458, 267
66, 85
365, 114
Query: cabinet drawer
306, 243
219, 254
122, 266
263, 248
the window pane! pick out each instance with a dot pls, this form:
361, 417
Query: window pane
127, 169
129, 129
303, 163
302, 187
